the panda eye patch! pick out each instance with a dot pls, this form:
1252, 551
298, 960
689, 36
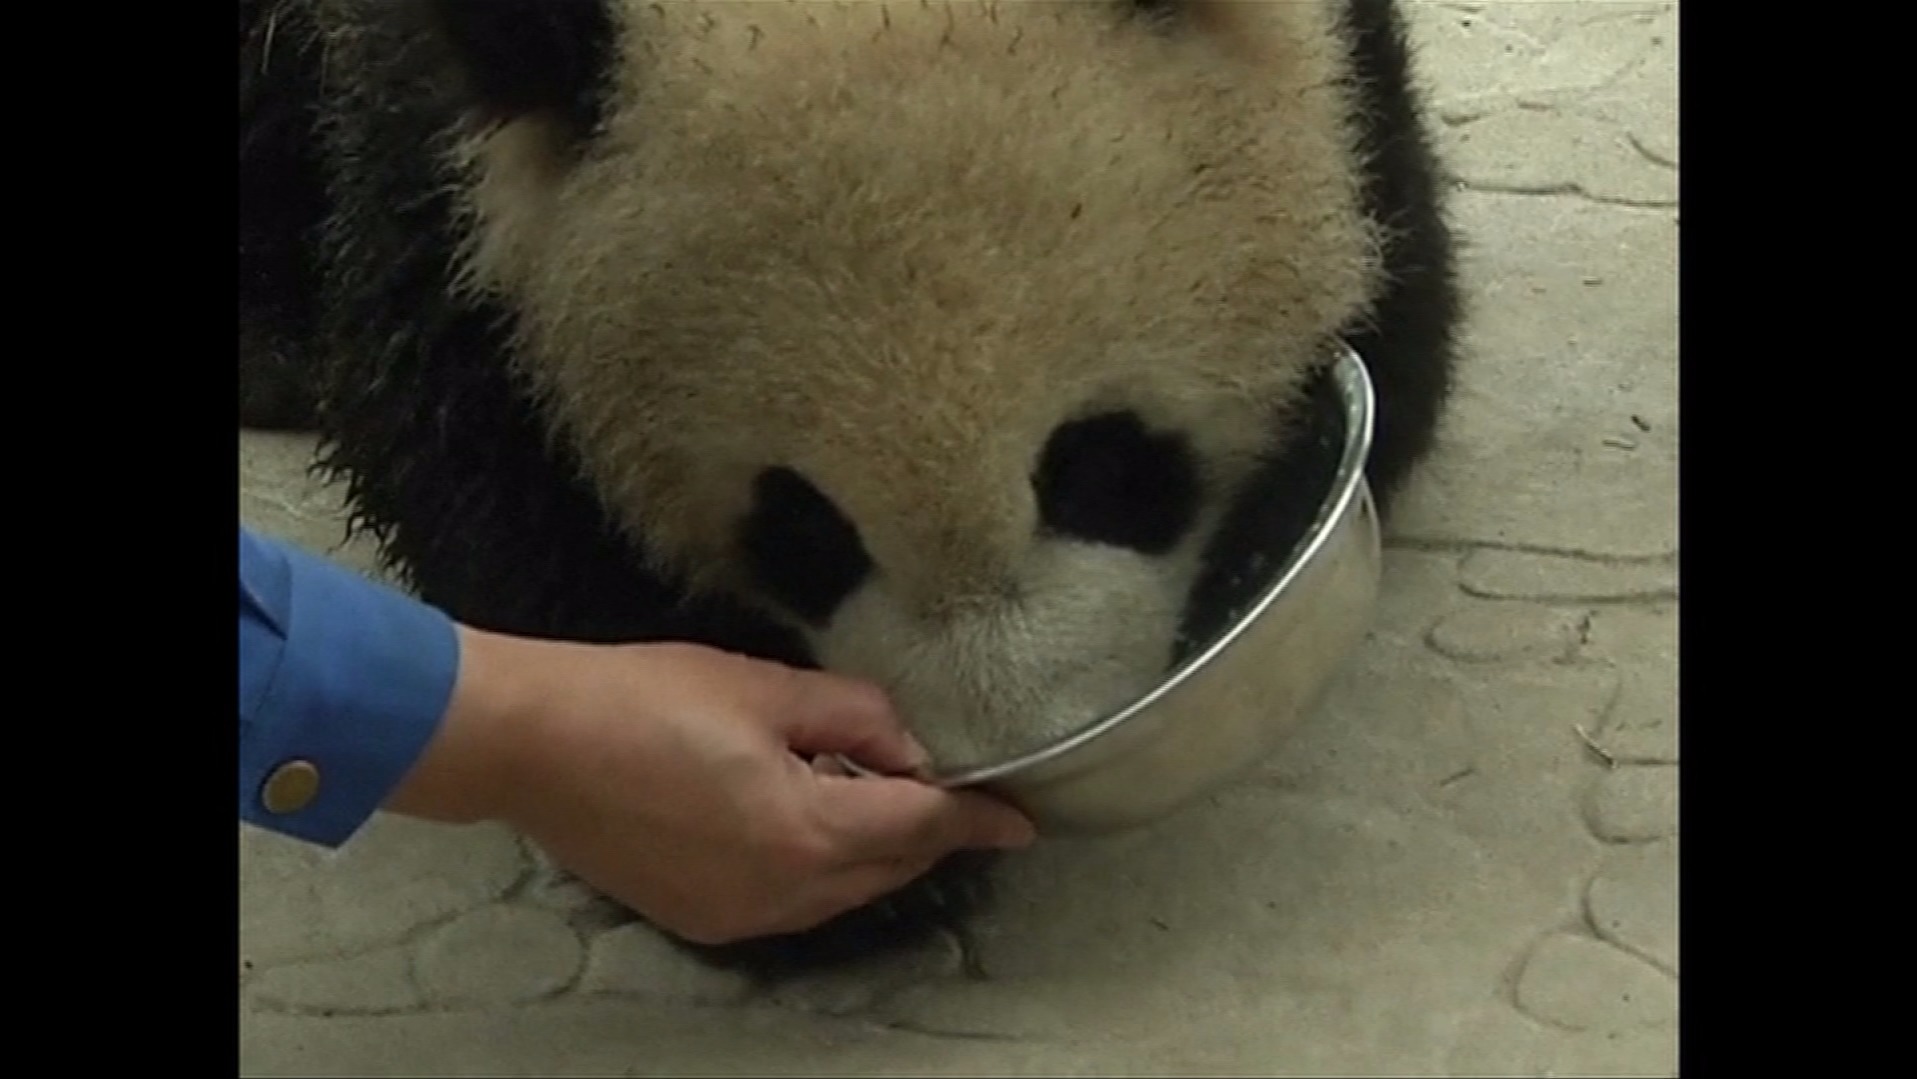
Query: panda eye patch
799, 548
1107, 479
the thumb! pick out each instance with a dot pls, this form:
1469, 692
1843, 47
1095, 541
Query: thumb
829, 713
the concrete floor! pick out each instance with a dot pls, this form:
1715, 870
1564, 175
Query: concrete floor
1466, 864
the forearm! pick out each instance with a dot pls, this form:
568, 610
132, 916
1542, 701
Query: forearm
467, 772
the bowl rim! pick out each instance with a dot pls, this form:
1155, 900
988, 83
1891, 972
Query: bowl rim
1356, 394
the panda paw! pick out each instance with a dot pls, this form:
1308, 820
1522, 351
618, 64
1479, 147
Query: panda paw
586, 910
929, 913
861, 984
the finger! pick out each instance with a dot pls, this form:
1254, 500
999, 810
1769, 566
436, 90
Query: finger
827, 764
828, 713
877, 818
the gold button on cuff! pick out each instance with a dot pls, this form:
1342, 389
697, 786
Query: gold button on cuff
290, 788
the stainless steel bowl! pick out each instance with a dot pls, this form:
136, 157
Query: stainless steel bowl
1229, 706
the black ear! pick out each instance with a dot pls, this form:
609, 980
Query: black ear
527, 56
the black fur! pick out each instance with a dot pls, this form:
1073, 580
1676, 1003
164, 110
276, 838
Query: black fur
281, 200
525, 56
1158, 14
346, 251
1408, 343
1106, 479
1268, 521
801, 549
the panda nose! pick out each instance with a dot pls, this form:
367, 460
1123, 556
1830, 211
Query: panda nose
961, 545
962, 600
960, 574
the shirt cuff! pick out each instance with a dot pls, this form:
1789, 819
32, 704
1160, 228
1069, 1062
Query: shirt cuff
343, 680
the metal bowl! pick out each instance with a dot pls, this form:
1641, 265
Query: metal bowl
1290, 604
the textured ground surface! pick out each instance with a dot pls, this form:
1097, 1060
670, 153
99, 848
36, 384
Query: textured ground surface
1466, 864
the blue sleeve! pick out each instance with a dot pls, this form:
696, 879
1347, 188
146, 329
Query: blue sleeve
340, 676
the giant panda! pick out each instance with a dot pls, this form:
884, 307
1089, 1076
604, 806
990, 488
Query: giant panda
932, 341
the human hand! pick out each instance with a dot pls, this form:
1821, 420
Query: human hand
673, 778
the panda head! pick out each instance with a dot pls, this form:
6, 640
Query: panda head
945, 332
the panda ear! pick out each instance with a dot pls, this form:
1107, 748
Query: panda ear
517, 57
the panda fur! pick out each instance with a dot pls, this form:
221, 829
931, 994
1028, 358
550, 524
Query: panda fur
945, 344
